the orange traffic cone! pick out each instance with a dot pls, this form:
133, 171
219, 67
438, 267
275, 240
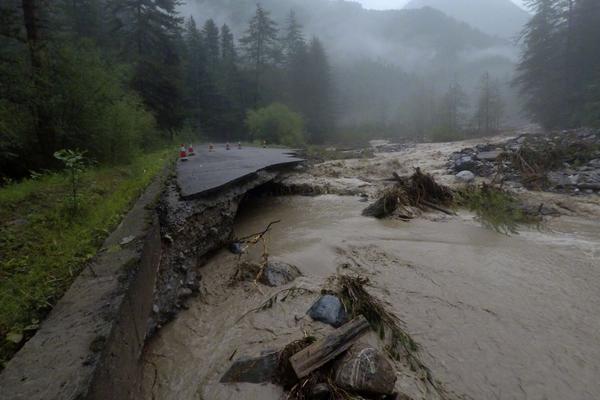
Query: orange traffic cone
210, 147
182, 153
191, 150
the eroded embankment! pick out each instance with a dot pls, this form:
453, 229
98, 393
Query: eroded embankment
91, 343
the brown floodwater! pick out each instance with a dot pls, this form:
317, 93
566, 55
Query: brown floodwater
498, 317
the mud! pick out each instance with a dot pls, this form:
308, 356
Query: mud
498, 317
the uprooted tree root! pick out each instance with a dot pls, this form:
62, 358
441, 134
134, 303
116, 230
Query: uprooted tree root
399, 344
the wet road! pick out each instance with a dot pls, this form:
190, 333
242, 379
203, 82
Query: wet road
208, 171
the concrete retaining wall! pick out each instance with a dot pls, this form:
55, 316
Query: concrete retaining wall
90, 345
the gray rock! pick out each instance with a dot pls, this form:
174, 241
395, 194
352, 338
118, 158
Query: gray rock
561, 179
261, 369
464, 163
489, 155
465, 176
320, 391
236, 248
364, 369
330, 310
279, 273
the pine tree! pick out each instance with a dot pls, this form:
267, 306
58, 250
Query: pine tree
194, 73
261, 48
293, 41
452, 109
210, 34
147, 33
230, 86
490, 106
319, 101
540, 72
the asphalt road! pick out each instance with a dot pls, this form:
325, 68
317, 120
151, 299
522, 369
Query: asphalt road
209, 171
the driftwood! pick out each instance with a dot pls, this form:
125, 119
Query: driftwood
438, 208
322, 351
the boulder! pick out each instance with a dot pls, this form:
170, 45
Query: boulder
464, 163
489, 155
364, 369
279, 273
260, 369
320, 391
236, 248
330, 310
465, 176
273, 274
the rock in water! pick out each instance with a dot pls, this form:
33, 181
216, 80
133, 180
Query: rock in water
330, 310
464, 163
489, 155
278, 273
253, 370
320, 391
364, 369
465, 176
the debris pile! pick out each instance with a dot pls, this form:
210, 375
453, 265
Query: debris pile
418, 191
341, 364
567, 161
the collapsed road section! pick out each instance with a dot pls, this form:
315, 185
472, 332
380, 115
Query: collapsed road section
197, 212
90, 345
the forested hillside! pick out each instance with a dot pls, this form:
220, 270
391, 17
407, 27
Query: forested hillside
385, 63
114, 77
501, 18
559, 73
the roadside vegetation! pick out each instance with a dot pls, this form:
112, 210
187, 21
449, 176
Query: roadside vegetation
45, 241
276, 123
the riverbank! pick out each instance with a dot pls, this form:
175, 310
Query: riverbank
44, 245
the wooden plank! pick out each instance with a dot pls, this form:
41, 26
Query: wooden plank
324, 350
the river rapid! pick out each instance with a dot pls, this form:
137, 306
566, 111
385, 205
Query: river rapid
497, 316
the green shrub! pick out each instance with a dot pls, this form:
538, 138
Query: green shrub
276, 124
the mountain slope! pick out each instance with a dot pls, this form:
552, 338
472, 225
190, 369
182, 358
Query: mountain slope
500, 18
412, 39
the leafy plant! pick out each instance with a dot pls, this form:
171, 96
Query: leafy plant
276, 124
495, 208
74, 164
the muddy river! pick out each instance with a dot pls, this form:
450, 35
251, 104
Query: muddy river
498, 317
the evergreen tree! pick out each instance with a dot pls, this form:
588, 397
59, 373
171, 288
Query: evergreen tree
147, 33
319, 101
231, 86
293, 41
452, 109
540, 71
261, 48
210, 33
490, 106
194, 74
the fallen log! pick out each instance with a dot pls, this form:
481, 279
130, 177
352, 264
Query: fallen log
322, 351
438, 208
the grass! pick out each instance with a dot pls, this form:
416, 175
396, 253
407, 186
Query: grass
43, 247
496, 209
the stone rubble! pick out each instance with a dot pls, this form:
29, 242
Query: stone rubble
577, 171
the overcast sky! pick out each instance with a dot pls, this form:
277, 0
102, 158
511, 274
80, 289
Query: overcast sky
390, 4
